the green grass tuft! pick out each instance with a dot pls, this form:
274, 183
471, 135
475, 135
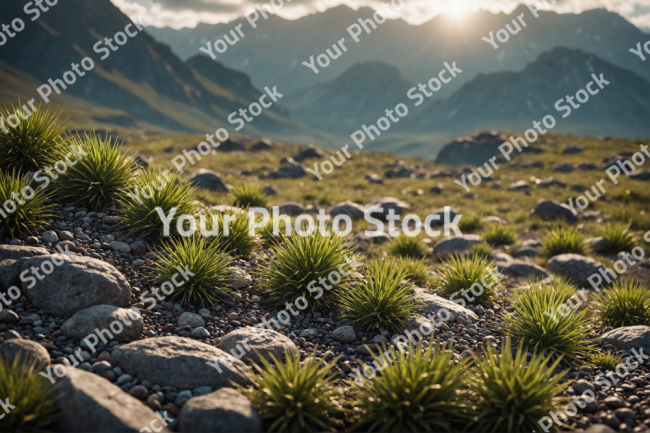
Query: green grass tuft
470, 223
419, 391
481, 249
626, 303
381, 301
416, 271
266, 232
605, 360
32, 145
511, 394
207, 262
248, 195
463, 273
407, 246
233, 235
499, 234
617, 238
564, 240
27, 217
294, 396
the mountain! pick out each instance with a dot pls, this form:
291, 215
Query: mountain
140, 84
359, 95
513, 100
273, 52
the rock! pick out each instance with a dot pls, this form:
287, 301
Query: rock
455, 245
50, 236
550, 181
597, 244
417, 326
231, 146
440, 219
208, 179
121, 247
66, 236
110, 221
629, 337
349, 208
291, 208
175, 361
438, 188
86, 321
551, 209
574, 148
11, 334
522, 269
265, 341
288, 171
574, 266
10, 273
8, 316
474, 150
586, 165
532, 164
269, 190
79, 282
91, 403
640, 175
614, 401
308, 153
262, 145
388, 203
14, 252
432, 304
564, 167
344, 334
520, 185
309, 333
599, 428
493, 220
138, 247
199, 333
401, 173
373, 178
223, 411
194, 320
581, 386
26, 349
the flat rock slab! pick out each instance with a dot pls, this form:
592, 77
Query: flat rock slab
629, 337
264, 341
90, 403
179, 362
223, 411
431, 304
78, 283
101, 317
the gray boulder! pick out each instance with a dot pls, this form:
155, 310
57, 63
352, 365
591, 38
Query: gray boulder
180, 362
262, 145
26, 349
265, 341
291, 208
288, 171
629, 337
344, 334
520, 185
373, 178
574, 266
522, 269
640, 174
597, 244
388, 203
208, 179
88, 402
550, 181
551, 209
231, 146
194, 320
564, 167
223, 411
349, 208
432, 304
455, 245
10, 273
84, 323
417, 328
15, 252
309, 152
79, 282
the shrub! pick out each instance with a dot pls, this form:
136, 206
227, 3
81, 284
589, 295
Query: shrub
617, 238
626, 303
294, 396
513, 394
418, 391
232, 232
104, 175
481, 249
563, 240
32, 395
249, 196
155, 189
32, 145
24, 218
538, 322
208, 263
499, 234
300, 261
415, 270
381, 302
475, 276
605, 360
470, 223
407, 246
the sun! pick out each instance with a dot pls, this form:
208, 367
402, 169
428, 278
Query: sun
456, 8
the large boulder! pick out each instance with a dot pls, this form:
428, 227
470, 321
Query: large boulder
231, 146
15, 252
475, 150
432, 304
309, 152
180, 362
385, 204
552, 209
290, 208
208, 179
10, 273
86, 321
629, 337
26, 349
88, 402
349, 208
79, 282
455, 245
521, 269
265, 341
263, 144
578, 268
223, 411
288, 171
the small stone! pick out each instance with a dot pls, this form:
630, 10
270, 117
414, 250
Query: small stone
309, 333
8, 316
614, 401
344, 334
200, 333
50, 236
139, 392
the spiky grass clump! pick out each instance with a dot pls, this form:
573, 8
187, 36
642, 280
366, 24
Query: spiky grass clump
32, 145
475, 275
557, 288
248, 195
230, 229
156, 191
300, 261
618, 237
32, 395
419, 391
626, 303
563, 240
207, 262
26, 217
292, 396
470, 223
267, 232
537, 320
381, 301
605, 360
481, 249
499, 234
103, 176
513, 394
407, 246
416, 271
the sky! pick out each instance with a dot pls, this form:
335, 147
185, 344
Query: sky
188, 13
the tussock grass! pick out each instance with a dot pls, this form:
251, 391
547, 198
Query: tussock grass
470, 223
617, 238
625, 303
416, 271
464, 273
564, 240
481, 249
231, 231
407, 246
605, 360
27, 217
499, 234
248, 195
